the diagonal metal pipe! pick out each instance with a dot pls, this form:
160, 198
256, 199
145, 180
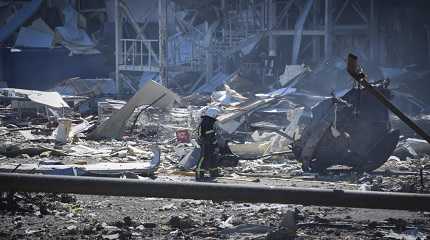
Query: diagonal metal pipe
12, 182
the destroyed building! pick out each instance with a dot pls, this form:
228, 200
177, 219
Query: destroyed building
238, 119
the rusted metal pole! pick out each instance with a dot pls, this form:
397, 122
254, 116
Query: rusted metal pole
358, 75
12, 182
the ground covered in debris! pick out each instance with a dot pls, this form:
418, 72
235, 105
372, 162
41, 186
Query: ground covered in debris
157, 141
42, 216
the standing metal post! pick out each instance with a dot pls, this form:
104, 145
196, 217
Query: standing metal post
162, 40
117, 44
316, 44
328, 27
373, 33
272, 24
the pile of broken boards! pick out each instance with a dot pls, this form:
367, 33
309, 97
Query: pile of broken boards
350, 130
276, 132
42, 134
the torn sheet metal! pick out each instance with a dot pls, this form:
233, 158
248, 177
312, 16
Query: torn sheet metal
74, 38
50, 99
97, 169
232, 125
106, 109
353, 131
66, 130
38, 35
21, 16
151, 93
277, 93
412, 147
231, 121
189, 161
228, 97
86, 87
292, 72
218, 80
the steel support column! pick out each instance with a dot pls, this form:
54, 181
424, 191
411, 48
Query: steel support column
328, 27
162, 30
272, 23
13, 182
117, 43
373, 33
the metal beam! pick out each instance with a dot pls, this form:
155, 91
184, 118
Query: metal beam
316, 41
328, 25
358, 75
284, 12
272, 23
373, 33
293, 32
13, 182
342, 9
297, 41
118, 25
162, 31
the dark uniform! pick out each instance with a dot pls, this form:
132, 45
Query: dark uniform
207, 137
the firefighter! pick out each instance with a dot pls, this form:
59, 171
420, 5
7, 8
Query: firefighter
208, 142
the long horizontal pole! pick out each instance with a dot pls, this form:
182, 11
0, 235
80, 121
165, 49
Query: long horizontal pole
14, 182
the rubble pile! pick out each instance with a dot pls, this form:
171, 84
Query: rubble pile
272, 138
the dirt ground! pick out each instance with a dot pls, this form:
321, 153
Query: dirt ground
46, 216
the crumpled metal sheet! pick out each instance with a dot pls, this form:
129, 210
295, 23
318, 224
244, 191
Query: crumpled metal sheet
355, 133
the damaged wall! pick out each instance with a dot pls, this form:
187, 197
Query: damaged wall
40, 69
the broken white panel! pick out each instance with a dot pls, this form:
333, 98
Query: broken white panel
66, 130
278, 143
229, 97
98, 168
62, 133
50, 99
81, 150
242, 110
417, 147
74, 38
291, 72
277, 93
151, 93
249, 149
